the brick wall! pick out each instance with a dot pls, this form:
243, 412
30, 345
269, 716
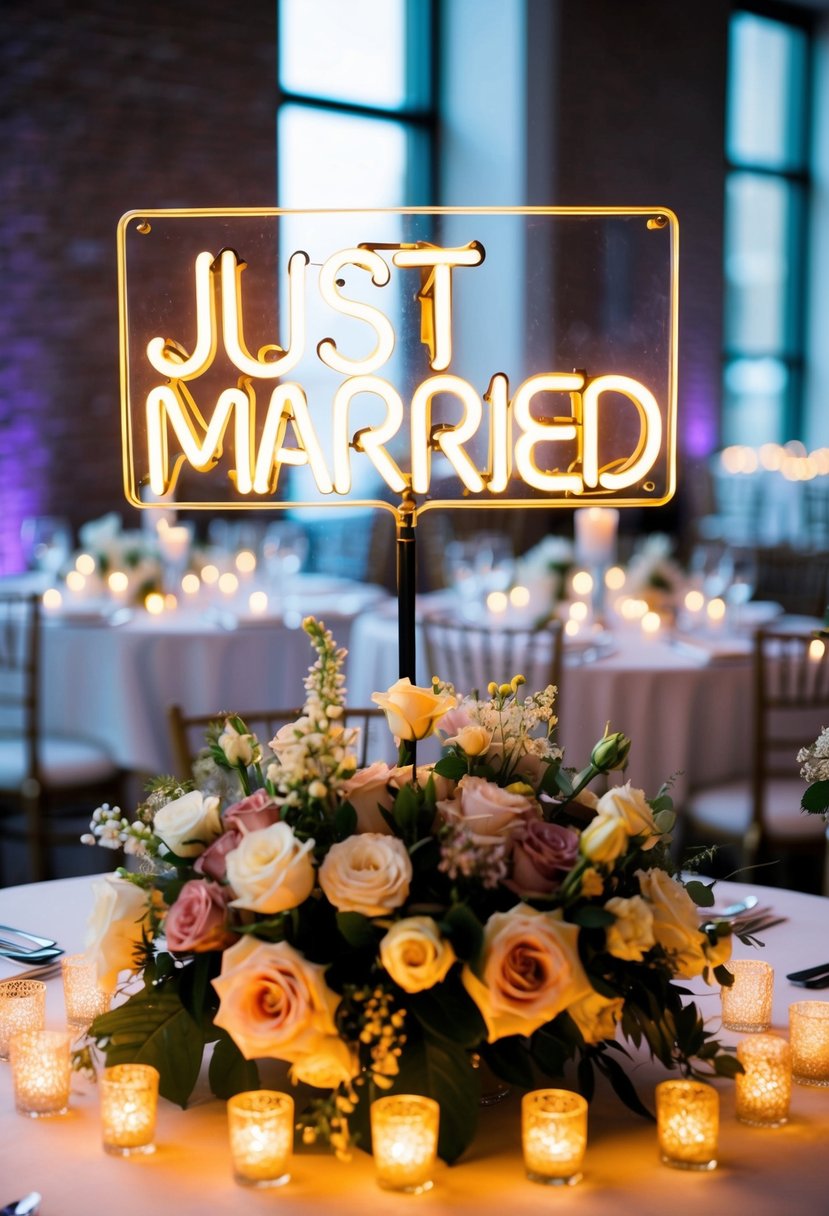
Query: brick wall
105, 106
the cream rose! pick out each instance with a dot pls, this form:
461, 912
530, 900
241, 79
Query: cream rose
415, 954
632, 808
486, 809
369, 873
273, 1001
631, 934
402, 775
412, 712
332, 1063
604, 839
115, 927
367, 791
530, 971
675, 922
270, 870
473, 739
597, 1016
238, 747
187, 825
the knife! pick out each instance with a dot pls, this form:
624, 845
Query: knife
808, 973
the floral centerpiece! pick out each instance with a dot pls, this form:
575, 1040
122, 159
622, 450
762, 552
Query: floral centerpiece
128, 551
387, 928
814, 769
652, 575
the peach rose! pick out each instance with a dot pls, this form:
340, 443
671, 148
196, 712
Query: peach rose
412, 712
488, 811
530, 971
369, 873
415, 954
597, 1016
273, 1001
197, 920
367, 791
270, 870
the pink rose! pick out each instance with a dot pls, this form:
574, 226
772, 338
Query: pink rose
455, 720
367, 791
489, 812
213, 861
196, 921
258, 810
542, 854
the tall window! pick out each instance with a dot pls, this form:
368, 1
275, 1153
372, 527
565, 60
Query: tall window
767, 190
356, 118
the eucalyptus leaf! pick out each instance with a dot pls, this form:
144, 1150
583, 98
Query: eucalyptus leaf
701, 893
815, 798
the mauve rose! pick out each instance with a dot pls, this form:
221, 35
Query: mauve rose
542, 854
367, 791
487, 811
258, 810
196, 921
213, 861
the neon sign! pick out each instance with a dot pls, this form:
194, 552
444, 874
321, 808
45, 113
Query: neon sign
364, 347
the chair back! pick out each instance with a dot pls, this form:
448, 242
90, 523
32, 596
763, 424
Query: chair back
795, 578
19, 675
188, 731
471, 656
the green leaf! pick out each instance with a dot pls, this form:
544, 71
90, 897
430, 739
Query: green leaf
723, 976
591, 917
451, 766
153, 1027
463, 929
444, 1072
815, 798
727, 1066
510, 1060
587, 1079
230, 1073
701, 894
448, 1011
623, 1086
550, 1053
345, 821
357, 930
405, 812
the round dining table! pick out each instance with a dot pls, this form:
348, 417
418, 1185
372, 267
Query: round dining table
761, 1171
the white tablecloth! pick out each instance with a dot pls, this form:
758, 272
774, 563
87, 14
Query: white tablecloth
762, 1172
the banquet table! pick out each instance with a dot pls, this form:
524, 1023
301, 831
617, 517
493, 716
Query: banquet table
761, 1171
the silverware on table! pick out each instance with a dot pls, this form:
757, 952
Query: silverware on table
29, 1205
42, 955
32, 937
807, 977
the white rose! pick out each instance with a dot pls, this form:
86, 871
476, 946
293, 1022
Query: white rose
675, 922
632, 808
597, 1016
115, 927
369, 873
604, 839
270, 870
332, 1063
631, 934
239, 748
187, 825
415, 954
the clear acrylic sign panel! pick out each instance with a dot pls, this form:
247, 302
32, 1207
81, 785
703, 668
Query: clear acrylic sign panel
478, 357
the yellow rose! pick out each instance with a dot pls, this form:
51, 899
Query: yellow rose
604, 839
474, 740
632, 808
631, 934
597, 1016
530, 971
412, 712
415, 954
675, 922
114, 929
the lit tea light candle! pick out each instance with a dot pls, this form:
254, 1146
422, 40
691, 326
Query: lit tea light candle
817, 649
191, 584
582, 582
746, 1004
52, 600
764, 1089
258, 602
519, 597
118, 582
154, 603
84, 564
715, 610
651, 623
41, 1072
210, 574
75, 581
174, 542
83, 998
245, 561
404, 1137
129, 1099
633, 609
578, 611
688, 1124
22, 1007
261, 1127
809, 1038
497, 602
615, 578
572, 628
694, 602
170, 602
554, 1136
228, 583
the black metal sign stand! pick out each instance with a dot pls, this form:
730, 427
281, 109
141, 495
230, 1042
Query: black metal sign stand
406, 590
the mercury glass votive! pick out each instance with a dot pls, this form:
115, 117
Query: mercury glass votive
129, 1099
763, 1091
83, 998
41, 1072
404, 1138
746, 1004
554, 1136
809, 1038
687, 1122
261, 1127
22, 1007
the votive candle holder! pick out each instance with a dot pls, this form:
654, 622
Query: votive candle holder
688, 1123
41, 1072
129, 1101
22, 1007
809, 1038
261, 1128
763, 1090
83, 998
404, 1138
747, 1003
554, 1136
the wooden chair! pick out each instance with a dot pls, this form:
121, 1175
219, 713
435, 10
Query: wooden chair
49, 784
187, 731
471, 656
761, 814
795, 578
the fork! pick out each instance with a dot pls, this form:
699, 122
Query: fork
32, 937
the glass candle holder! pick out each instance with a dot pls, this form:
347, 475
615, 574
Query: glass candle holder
404, 1137
687, 1122
746, 1005
22, 1007
129, 1099
554, 1136
763, 1091
83, 998
809, 1038
41, 1072
261, 1127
